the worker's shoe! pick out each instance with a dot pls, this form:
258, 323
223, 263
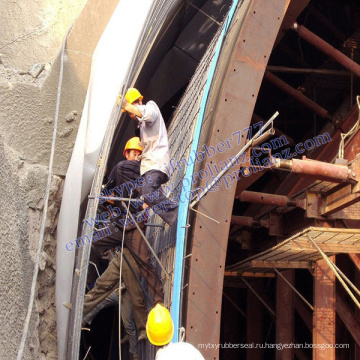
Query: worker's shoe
142, 335
67, 305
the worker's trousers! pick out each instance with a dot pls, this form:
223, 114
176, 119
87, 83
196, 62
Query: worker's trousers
109, 281
153, 195
126, 312
138, 249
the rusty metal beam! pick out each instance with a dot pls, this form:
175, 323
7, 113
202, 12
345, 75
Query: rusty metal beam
256, 119
233, 95
321, 19
284, 69
355, 258
324, 310
234, 304
263, 137
285, 314
304, 312
316, 169
293, 12
316, 204
326, 48
254, 323
339, 200
348, 318
297, 95
244, 221
248, 274
261, 297
327, 153
268, 199
247, 181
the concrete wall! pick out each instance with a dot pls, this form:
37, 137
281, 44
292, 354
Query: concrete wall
31, 35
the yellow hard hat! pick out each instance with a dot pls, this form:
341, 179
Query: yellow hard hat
131, 95
133, 144
159, 326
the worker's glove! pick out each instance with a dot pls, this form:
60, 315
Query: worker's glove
118, 100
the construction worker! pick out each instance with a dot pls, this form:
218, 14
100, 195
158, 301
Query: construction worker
128, 171
133, 240
160, 331
106, 293
155, 156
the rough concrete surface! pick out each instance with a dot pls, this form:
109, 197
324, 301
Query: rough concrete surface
21, 192
31, 31
31, 35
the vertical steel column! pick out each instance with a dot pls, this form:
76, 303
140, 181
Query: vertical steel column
254, 324
357, 311
234, 322
233, 95
356, 260
324, 310
285, 314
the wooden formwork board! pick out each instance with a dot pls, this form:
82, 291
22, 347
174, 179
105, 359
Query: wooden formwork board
298, 251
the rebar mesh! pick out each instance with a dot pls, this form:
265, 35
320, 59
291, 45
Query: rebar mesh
180, 134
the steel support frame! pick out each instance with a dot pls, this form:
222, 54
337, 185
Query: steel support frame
254, 324
327, 49
348, 318
298, 96
285, 314
324, 310
356, 259
233, 96
264, 198
293, 184
318, 169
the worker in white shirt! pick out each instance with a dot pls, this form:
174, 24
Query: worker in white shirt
155, 156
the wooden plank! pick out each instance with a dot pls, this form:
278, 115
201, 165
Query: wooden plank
231, 273
258, 274
339, 200
282, 264
249, 274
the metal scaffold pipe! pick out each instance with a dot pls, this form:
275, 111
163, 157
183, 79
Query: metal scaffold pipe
263, 137
244, 221
317, 169
326, 48
297, 95
266, 199
333, 268
233, 160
